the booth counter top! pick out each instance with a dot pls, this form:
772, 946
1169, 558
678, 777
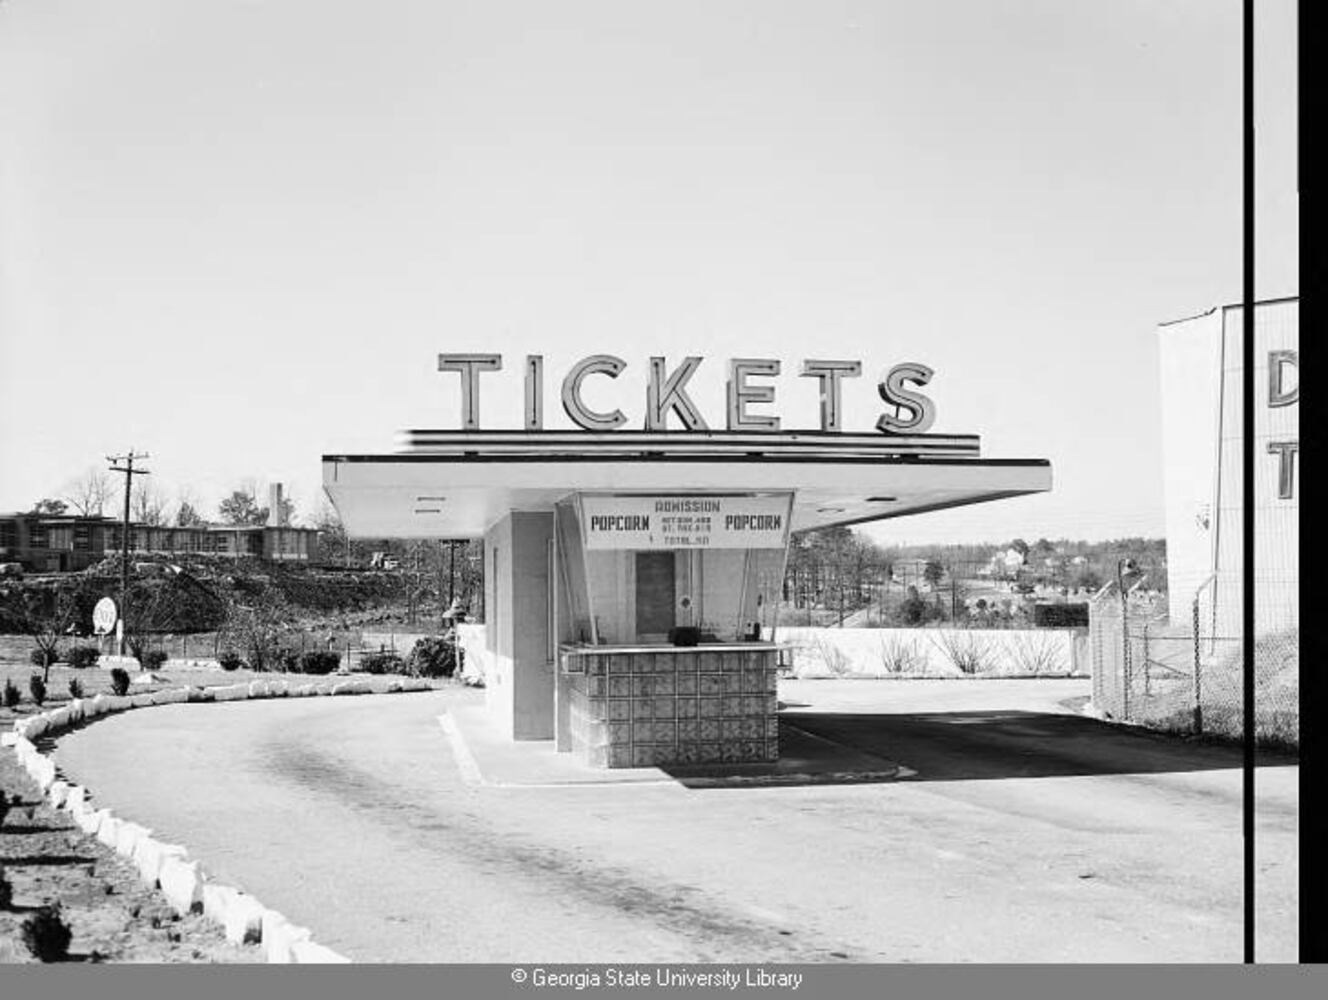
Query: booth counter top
703, 647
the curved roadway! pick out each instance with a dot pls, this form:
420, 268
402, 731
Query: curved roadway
1029, 834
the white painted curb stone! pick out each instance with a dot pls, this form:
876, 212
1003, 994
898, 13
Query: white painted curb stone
149, 855
181, 884
240, 915
109, 829
57, 794
309, 953
279, 934
128, 837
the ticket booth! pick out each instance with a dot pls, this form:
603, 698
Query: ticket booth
662, 601
632, 578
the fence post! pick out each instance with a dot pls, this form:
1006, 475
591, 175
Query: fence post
1198, 674
1125, 655
1147, 669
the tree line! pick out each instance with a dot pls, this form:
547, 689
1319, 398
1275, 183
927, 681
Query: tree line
839, 570
96, 494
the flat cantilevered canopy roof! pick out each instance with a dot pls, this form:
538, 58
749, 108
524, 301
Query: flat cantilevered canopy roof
456, 484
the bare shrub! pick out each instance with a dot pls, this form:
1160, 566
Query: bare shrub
835, 659
899, 655
969, 651
1037, 655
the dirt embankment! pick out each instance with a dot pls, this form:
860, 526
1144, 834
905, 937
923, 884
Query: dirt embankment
192, 594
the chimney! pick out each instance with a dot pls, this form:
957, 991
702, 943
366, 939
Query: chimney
274, 512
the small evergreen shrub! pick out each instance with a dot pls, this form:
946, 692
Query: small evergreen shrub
82, 657
289, 660
12, 694
75, 688
46, 934
318, 661
37, 688
382, 663
230, 660
119, 681
152, 659
433, 656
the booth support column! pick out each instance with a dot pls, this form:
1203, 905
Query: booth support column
519, 692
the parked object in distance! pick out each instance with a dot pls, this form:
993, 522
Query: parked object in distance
11, 569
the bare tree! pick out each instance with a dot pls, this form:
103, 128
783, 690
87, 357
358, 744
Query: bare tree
188, 510
90, 492
146, 504
259, 627
45, 617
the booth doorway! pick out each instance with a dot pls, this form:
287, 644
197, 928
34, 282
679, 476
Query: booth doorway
656, 577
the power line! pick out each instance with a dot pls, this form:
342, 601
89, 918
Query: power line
129, 473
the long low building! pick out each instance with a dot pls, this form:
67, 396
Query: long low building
46, 543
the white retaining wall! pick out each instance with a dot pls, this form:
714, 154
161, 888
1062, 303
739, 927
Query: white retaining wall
934, 652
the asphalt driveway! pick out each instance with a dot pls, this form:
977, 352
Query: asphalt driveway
1025, 833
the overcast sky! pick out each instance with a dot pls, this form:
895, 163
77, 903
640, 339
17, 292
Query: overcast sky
237, 235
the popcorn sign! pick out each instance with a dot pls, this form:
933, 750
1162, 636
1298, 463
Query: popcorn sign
685, 522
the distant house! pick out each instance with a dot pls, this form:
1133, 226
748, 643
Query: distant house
1005, 564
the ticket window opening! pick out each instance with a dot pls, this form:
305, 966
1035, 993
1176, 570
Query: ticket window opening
640, 595
656, 595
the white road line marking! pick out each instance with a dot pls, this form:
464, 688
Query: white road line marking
465, 761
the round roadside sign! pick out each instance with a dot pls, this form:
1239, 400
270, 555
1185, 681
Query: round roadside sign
104, 616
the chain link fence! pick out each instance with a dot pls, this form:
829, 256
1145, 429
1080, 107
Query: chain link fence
1182, 677
351, 645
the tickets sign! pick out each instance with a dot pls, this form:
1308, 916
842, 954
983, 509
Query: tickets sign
685, 522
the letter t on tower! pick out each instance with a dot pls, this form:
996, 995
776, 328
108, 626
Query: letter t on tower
470, 366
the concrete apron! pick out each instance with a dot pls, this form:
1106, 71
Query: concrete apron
485, 757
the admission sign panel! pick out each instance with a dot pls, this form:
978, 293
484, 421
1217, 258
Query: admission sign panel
685, 522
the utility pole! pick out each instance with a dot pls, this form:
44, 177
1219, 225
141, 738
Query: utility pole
129, 473
451, 571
